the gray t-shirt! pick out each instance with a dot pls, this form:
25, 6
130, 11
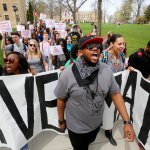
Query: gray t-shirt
84, 113
21, 49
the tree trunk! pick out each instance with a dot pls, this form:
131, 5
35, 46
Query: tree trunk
99, 23
74, 17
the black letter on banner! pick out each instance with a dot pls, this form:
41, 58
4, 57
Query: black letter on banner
29, 88
132, 79
40, 81
119, 81
2, 138
143, 134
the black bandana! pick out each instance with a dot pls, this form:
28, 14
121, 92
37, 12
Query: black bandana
83, 72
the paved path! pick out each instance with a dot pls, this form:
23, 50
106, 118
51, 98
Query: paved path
49, 140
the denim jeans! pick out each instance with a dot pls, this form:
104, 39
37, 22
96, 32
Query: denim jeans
25, 147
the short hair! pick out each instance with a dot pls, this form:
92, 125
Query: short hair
15, 33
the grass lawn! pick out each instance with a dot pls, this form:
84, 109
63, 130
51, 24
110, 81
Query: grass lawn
135, 35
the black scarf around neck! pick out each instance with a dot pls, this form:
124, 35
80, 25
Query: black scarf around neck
84, 73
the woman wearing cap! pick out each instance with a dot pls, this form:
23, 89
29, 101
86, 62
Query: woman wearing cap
79, 92
115, 58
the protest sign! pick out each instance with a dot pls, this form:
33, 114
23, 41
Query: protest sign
31, 26
5, 26
56, 50
26, 33
43, 16
60, 26
50, 23
20, 27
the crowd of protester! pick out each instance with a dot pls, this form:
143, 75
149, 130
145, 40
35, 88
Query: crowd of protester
24, 55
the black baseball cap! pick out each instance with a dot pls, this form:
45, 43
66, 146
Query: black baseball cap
87, 39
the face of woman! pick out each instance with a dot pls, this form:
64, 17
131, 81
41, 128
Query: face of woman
32, 46
119, 45
62, 45
7, 41
12, 64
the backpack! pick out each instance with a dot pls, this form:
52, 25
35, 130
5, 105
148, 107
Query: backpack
24, 47
105, 57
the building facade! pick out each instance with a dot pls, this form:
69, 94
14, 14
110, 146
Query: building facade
13, 10
87, 16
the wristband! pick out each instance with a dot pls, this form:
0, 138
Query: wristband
128, 122
61, 122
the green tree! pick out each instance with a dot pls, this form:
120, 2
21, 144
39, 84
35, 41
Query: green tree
126, 10
30, 14
147, 13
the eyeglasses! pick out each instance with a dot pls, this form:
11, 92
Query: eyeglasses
91, 46
32, 45
9, 61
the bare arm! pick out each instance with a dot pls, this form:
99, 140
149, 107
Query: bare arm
61, 104
120, 105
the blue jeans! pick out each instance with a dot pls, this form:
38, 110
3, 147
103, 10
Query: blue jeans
25, 147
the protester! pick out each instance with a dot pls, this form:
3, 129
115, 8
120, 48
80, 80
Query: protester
81, 90
37, 62
15, 64
5, 41
106, 45
75, 36
73, 55
17, 46
115, 58
140, 60
46, 50
61, 60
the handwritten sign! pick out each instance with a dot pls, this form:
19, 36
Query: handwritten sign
60, 26
5, 26
56, 50
26, 33
62, 33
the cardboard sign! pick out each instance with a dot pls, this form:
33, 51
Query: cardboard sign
20, 27
60, 26
50, 23
5, 26
43, 16
56, 50
26, 33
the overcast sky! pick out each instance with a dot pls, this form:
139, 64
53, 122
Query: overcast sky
110, 5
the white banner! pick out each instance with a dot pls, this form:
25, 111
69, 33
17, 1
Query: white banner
26, 33
50, 23
20, 27
5, 26
28, 106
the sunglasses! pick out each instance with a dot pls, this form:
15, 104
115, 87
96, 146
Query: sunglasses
32, 45
91, 46
9, 61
